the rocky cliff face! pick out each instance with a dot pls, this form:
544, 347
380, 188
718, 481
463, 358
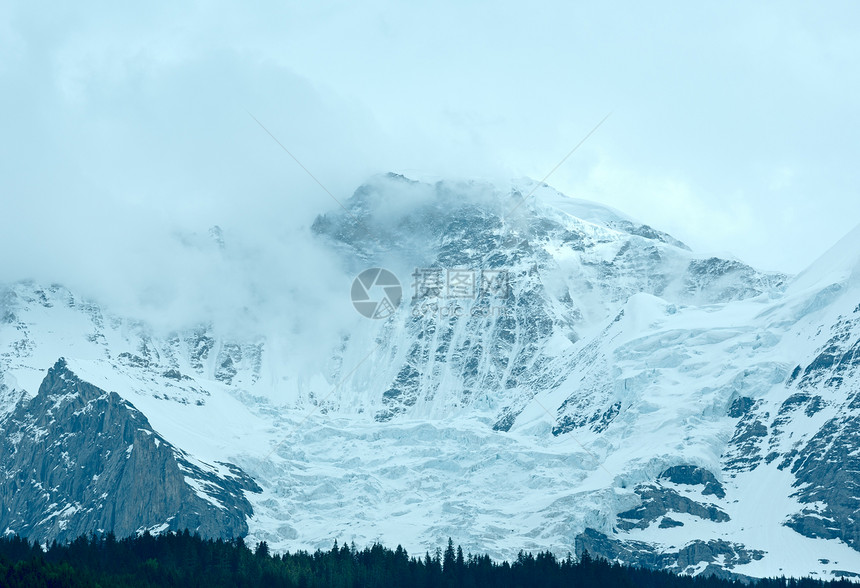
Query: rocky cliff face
823, 390
565, 275
76, 459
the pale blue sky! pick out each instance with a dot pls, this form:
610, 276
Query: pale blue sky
734, 127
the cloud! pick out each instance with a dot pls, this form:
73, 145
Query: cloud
125, 135
130, 144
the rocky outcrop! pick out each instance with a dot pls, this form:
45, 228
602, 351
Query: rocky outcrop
658, 501
76, 459
694, 476
826, 473
718, 556
825, 465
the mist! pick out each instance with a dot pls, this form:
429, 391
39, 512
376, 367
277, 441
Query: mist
128, 132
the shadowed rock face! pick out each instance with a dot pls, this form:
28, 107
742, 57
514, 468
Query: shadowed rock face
684, 559
827, 480
825, 462
694, 476
76, 459
657, 500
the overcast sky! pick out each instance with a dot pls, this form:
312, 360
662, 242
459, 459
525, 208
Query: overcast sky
734, 125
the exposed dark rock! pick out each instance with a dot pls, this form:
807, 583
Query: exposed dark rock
695, 476
229, 357
668, 523
793, 402
730, 279
826, 465
683, 560
745, 447
132, 360
658, 501
827, 479
76, 459
200, 342
844, 574
648, 233
815, 404
740, 407
838, 358
506, 420
174, 374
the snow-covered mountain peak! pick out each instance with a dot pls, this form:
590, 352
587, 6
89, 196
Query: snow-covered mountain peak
391, 211
621, 394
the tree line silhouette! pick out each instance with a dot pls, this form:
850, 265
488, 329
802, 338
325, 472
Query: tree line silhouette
186, 560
